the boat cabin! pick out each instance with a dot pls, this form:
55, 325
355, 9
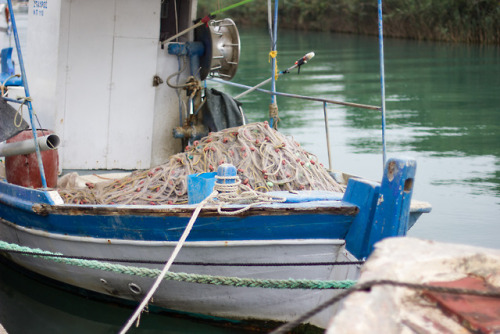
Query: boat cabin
97, 72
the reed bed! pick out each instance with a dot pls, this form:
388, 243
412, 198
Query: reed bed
466, 21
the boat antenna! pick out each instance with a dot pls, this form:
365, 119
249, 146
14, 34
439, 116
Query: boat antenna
27, 99
382, 77
301, 61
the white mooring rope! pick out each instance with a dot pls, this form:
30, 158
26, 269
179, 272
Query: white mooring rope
224, 193
167, 266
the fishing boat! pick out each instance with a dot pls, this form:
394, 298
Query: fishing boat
246, 225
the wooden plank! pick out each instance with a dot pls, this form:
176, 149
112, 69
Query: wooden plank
186, 211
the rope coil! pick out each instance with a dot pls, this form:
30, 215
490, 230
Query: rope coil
232, 193
274, 114
19, 113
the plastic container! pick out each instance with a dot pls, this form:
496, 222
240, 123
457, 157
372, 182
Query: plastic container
227, 172
200, 186
23, 169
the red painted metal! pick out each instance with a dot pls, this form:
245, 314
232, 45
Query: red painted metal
23, 169
476, 313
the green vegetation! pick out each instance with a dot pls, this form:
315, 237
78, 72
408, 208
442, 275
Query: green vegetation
469, 21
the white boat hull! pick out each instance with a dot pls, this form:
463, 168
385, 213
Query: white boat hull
240, 303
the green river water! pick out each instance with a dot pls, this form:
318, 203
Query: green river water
442, 109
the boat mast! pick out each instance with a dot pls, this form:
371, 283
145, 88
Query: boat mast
27, 100
382, 77
273, 107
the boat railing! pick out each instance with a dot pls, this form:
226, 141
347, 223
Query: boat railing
309, 98
273, 24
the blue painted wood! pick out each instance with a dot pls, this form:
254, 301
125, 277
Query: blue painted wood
16, 207
384, 209
384, 212
14, 193
364, 194
170, 228
307, 196
200, 186
392, 210
8, 68
7, 63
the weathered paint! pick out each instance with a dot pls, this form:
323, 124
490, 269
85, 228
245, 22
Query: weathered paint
112, 55
303, 227
392, 211
34, 209
477, 313
210, 300
364, 194
393, 309
279, 225
23, 169
304, 215
384, 207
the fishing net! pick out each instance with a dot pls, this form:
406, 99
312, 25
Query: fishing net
266, 160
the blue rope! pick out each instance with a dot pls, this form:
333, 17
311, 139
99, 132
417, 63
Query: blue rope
27, 93
382, 75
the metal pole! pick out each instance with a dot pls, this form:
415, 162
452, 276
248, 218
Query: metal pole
185, 31
382, 76
27, 93
298, 63
273, 48
309, 98
327, 137
45, 143
252, 89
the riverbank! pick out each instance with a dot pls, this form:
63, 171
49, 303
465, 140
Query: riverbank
463, 21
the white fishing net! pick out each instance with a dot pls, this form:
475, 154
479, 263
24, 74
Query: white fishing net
266, 160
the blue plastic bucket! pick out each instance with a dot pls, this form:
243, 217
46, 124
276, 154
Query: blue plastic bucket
200, 186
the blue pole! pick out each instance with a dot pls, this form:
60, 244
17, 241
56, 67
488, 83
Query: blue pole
382, 75
273, 48
27, 93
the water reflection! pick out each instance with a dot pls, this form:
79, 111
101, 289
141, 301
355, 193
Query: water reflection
27, 306
442, 108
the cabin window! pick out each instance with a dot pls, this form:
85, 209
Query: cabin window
175, 15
